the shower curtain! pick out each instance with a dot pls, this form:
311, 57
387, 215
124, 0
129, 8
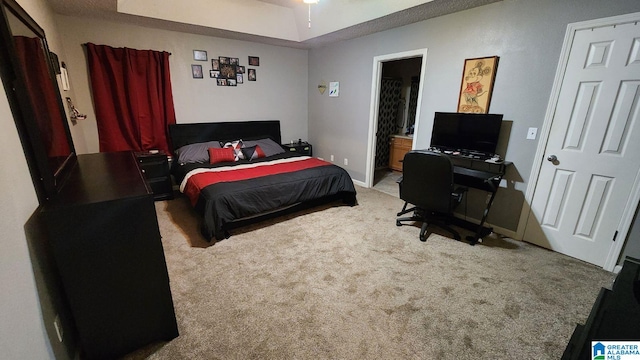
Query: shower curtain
390, 93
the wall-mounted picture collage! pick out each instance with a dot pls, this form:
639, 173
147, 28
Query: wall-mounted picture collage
226, 70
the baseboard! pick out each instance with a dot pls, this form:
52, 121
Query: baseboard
359, 183
496, 229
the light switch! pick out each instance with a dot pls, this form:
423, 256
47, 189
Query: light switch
531, 134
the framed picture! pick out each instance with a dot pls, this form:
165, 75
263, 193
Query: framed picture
240, 78
222, 82
215, 64
196, 71
234, 61
476, 86
334, 89
240, 69
214, 74
223, 60
231, 82
254, 61
252, 75
199, 55
228, 71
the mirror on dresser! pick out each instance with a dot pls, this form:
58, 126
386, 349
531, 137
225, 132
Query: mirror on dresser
32, 90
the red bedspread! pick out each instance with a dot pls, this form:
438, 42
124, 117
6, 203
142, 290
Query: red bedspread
198, 179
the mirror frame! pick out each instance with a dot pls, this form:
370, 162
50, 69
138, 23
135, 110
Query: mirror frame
47, 181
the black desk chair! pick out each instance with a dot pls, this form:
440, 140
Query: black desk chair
427, 183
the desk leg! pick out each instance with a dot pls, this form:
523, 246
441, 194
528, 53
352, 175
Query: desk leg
474, 239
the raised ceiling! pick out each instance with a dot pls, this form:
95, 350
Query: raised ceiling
275, 22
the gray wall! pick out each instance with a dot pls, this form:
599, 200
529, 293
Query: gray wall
23, 335
527, 35
280, 92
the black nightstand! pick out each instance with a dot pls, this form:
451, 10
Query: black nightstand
155, 168
303, 148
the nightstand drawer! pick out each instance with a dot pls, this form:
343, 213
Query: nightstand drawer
161, 187
154, 169
303, 148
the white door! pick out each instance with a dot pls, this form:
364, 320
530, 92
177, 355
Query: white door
592, 157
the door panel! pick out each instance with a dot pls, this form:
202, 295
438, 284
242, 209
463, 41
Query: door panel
580, 197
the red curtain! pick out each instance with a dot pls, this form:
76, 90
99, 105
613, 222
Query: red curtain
132, 97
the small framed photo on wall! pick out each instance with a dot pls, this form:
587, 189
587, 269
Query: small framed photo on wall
251, 75
228, 71
254, 61
214, 74
223, 60
196, 71
234, 61
215, 64
199, 55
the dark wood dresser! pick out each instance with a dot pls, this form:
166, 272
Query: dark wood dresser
105, 241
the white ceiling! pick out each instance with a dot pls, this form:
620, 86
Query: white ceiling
275, 22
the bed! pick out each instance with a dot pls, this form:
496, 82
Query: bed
237, 173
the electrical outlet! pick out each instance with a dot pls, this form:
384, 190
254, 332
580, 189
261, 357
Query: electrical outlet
332, 158
58, 325
346, 161
532, 133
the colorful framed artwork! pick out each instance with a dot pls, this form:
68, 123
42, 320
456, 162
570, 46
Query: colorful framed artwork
199, 55
476, 86
196, 71
254, 61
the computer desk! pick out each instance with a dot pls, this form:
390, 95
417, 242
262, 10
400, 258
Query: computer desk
478, 174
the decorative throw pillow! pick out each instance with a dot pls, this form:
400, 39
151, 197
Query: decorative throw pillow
252, 152
268, 146
195, 153
237, 148
218, 155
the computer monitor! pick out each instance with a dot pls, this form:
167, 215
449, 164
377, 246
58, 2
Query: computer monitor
466, 133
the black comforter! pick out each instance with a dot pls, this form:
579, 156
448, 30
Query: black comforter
223, 203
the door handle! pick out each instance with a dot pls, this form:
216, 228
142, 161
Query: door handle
552, 158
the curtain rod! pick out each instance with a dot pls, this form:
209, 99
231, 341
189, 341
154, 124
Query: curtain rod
85, 44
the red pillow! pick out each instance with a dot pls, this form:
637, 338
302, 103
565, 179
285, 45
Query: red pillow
221, 155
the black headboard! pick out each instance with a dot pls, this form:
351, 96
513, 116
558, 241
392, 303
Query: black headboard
184, 134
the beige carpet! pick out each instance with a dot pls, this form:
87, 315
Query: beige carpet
346, 283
